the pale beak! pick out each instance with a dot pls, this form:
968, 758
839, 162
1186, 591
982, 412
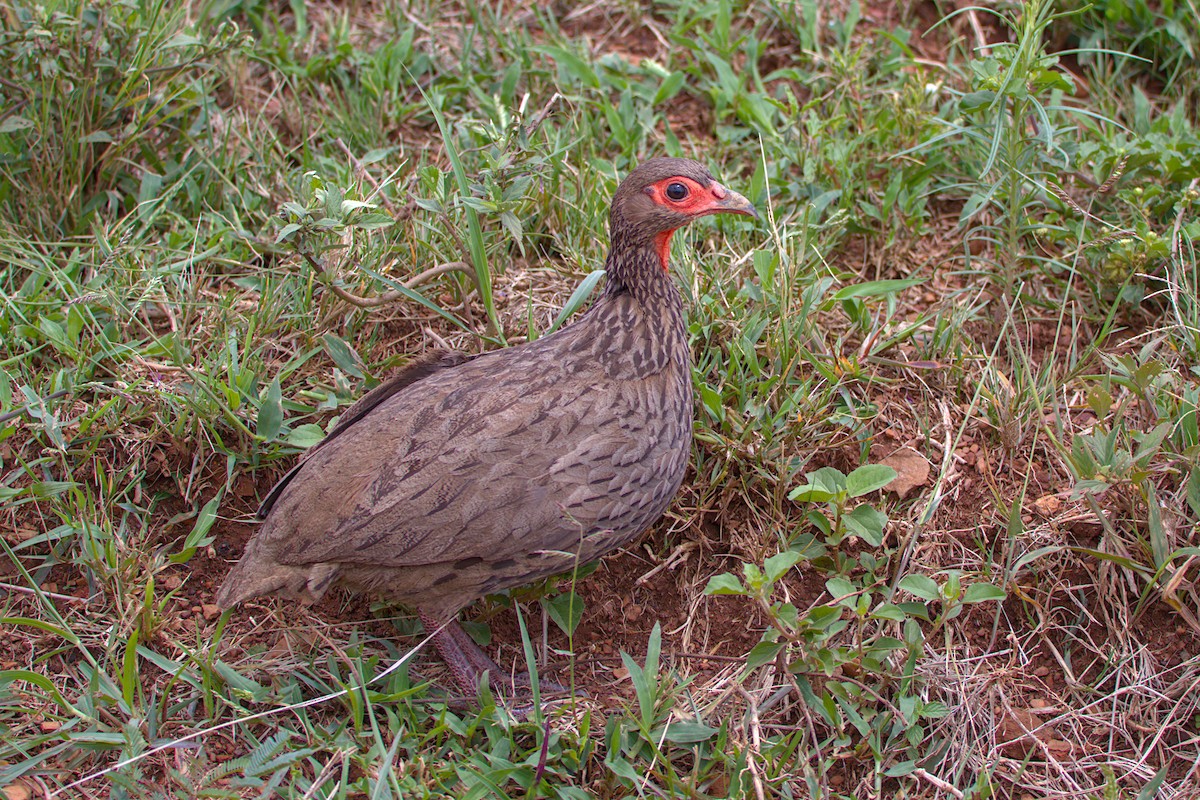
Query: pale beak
727, 201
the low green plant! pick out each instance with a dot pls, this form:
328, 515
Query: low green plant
852, 658
1128, 39
653, 732
829, 486
95, 95
1142, 459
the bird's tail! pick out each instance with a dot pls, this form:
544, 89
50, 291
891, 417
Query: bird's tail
251, 578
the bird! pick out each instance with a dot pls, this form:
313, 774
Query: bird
464, 475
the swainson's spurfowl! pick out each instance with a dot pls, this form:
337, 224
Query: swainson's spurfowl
465, 475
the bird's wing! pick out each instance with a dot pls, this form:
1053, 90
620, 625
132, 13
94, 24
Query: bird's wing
500, 461
417, 370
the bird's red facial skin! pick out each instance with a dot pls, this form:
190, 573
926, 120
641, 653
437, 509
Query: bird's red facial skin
698, 202
662, 246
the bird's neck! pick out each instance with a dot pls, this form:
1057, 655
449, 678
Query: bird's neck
639, 269
639, 318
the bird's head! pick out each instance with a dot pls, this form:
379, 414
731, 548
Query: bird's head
664, 194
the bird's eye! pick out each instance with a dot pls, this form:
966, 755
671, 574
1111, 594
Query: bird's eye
677, 191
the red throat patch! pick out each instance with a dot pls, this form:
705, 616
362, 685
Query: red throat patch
662, 246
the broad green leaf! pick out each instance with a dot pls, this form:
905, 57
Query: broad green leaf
512, 224
286, 232
151, 185
935, 709
349, 206
839, 588
669, 87
922, 586
14, 123
342, 354
270, 413
828, 479
56, 334
810, 494
1150, 790
762, 653
712, 402
976, 201
1149, 442
901, 769
983, 592
777, 565
129, 670
823, 617
378, 154
975, 101
198, 537
685, 732
566, 609
372, 222
886, 644
889, 611
867, 523
849, 708
305, 436
787, 614
821, 523
725, 583
645, 679
869, 478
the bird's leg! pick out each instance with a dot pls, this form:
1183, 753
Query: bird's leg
467, 661
505, 680
464, 658
474, 652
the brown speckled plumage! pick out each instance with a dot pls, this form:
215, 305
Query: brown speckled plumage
467, 475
